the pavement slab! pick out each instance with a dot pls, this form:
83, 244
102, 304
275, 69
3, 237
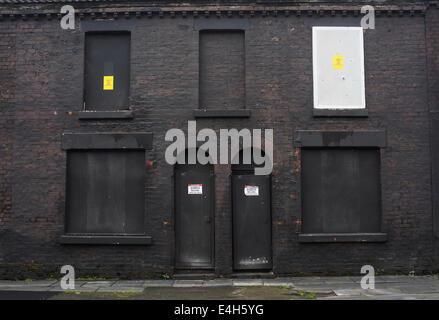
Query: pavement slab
323, 290
129, 283
338, 280
97, 284
24, 288
307, 279
36, 283
188, 283
393, 279
159, 283
405, 297
78, 283
78, 289
348, 292
348, 288
348, 285
416, 289
247, 282
378, 291
218, 283
360, 297
278, 283
121, 289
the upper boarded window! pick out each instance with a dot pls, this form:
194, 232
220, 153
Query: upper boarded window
105, 191
338, 68
341, 190
222, 69
107, 70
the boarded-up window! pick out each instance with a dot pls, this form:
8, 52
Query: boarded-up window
107, 70
105, 191
338, 68
341, 190
222, 70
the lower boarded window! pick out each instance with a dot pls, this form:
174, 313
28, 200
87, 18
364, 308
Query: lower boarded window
105, 191
341, 190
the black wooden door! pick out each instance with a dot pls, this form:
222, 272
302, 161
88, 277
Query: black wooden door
251, 222
194, 216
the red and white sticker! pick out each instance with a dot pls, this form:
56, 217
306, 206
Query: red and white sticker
194, 189
251, 191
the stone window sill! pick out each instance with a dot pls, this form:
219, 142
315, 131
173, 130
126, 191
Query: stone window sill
221, 113
341, 237
94, 115
94, 239
351, 113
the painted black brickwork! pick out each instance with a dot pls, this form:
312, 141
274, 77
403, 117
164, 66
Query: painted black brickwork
41, 92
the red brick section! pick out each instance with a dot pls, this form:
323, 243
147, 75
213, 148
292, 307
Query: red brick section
41, 83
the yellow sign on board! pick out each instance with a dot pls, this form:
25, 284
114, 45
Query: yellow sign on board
338, 62
108, 83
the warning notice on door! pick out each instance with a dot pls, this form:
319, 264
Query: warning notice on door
194, 189
251, 191
108, 82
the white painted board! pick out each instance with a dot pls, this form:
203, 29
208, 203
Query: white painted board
338, 68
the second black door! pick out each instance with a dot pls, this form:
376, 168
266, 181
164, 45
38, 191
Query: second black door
251, 222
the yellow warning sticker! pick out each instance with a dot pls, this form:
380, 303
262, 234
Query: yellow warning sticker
338, 62
108, 83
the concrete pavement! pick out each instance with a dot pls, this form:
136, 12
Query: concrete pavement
386, 287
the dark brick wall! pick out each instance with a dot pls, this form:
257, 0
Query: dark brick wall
44, 68
7, 95
432, 49
432, 36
